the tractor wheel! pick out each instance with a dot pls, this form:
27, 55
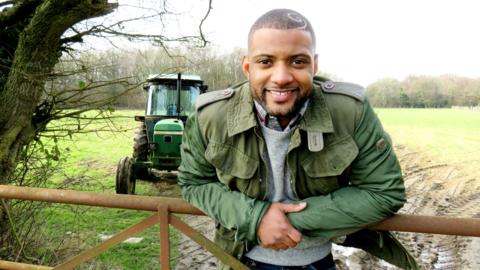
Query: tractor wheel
124, 181
140, 144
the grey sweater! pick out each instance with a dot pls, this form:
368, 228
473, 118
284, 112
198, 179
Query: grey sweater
310, 249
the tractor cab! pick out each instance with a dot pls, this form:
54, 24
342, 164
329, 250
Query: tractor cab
156, 145
172, 95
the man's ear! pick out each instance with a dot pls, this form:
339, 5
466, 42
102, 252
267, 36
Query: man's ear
315, 64
246, 66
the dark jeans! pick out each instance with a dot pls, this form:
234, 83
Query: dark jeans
326, 263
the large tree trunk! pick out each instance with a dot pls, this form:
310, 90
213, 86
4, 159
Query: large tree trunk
37, 53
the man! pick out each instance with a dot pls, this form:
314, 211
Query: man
290, 162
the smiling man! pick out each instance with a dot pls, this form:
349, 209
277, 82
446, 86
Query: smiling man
280, 67
290, 162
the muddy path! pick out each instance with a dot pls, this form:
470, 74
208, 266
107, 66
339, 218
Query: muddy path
433, 188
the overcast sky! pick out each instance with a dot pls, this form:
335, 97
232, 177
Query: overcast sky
363, 40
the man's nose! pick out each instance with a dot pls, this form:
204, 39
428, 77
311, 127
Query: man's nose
281, 75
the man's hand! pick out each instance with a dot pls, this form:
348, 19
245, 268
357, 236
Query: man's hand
275, 231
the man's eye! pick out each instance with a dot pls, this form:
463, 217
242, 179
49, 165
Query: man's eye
264, 61
299, 62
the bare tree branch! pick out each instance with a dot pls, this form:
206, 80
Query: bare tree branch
116, 30
203, 20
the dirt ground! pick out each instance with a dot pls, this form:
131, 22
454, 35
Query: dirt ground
433, 188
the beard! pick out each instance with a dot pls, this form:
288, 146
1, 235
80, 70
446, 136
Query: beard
289, 112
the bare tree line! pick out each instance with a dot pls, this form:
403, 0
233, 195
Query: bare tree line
222, 70
134, 66
425, 92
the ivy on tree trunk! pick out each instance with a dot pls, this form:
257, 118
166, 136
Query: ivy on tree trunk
31, 32
37, 52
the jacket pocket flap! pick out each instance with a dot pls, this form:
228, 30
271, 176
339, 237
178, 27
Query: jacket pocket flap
231, 161
332, 160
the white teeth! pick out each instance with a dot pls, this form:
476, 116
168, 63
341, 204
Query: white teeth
280, 93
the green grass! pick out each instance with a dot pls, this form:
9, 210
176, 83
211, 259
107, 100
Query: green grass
449, 135
97, 153
79, 228
90, 165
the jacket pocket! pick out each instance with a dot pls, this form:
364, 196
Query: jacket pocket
230, 160
332, 160
322, 169
234, 168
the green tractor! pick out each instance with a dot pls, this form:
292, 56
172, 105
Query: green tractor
156, 145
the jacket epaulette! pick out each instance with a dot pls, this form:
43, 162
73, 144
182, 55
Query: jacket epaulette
349, 89
212, 96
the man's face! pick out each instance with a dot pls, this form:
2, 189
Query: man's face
280, 67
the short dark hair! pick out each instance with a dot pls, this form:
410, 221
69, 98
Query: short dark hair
282, 19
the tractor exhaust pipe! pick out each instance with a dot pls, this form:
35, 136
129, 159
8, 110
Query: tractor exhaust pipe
179, 88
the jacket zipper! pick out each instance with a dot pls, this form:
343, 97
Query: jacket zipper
292, 179
265, 183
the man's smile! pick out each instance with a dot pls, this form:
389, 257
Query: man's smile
280, 94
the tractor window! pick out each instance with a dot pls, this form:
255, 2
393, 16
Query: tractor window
188, 96
164, 99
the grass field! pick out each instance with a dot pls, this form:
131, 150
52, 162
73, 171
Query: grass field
447, 135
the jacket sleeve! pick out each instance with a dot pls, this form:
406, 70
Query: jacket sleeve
376, 188
201, 187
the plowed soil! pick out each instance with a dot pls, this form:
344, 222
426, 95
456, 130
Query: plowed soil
433, 188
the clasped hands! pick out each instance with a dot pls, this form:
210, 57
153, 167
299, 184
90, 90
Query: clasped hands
275, 230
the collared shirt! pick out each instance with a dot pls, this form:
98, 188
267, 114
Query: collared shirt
272, 122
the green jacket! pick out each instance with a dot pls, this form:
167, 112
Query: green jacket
351, 182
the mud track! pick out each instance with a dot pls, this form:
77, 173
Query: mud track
432, 188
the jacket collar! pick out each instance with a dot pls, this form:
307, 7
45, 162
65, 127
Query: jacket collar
241, 114
317, 117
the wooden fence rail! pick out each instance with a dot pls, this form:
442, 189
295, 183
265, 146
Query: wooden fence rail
166, 207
